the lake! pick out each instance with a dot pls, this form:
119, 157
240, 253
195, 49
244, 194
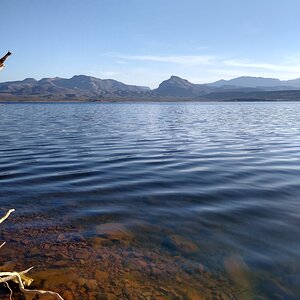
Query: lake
153, 200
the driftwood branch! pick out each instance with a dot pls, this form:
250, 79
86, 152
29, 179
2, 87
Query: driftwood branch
6, 215
5, 277
17, 276
11, 277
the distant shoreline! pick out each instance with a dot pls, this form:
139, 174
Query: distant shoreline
82, 88
2, 101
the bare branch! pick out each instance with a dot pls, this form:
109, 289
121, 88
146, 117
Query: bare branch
10, 277
6, 215
10, 290
17, 276
32, 292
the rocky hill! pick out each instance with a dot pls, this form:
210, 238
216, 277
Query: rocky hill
79, 87
87, 88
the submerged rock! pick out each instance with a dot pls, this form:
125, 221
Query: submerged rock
115, 232
82, 254
181, 244
238, 271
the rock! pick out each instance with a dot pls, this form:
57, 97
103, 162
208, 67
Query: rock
67, 295
48, 297
61, 263
72, 285
156, 271
237, 269
111, 297
82, 254
101, 276
142, 264
82, 281
192, 294
181, 244
92, 284
61, 237
114, 232
47, 247
8, 266
98, 241
201, 268
92, 296
34, 252
51, 278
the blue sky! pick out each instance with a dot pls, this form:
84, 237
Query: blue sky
146, 41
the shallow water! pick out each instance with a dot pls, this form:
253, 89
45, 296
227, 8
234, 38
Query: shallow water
215, 184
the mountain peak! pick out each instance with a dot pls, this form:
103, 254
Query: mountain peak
81, 76
176, 77
177, 87
29, 80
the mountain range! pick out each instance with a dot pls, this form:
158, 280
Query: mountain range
87, 88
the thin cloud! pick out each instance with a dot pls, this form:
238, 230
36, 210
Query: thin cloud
187, 60
266, 66
203, 68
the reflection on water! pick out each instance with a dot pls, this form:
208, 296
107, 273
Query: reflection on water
206, 191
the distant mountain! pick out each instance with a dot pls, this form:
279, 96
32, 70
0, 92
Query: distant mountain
178, 87
247, 81
78, 87
258, 82
294, 83
87, 88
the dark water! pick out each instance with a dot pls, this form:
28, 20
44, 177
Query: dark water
224, 176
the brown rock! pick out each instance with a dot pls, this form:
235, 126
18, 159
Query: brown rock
181, 244
101, 276
237, 269
67, 295
115, 232
72, 285
92, 284
8, 266
34, 251
47, 297
82, 254
194, 295
52, 278
142, 264
98, 241
60, 263
82, 281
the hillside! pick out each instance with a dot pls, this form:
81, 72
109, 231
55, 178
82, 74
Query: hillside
87, 88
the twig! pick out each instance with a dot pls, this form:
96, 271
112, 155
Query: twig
32, 292
11, 292
6, 215
8, 278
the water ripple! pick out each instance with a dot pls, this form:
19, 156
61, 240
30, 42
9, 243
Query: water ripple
226, 175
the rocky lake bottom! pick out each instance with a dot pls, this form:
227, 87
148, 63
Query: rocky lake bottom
113, 265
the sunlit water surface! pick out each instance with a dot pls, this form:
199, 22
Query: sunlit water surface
225, 176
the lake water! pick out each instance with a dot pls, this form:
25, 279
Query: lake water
199, 199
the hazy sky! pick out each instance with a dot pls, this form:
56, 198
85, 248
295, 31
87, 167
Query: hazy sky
145, 41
